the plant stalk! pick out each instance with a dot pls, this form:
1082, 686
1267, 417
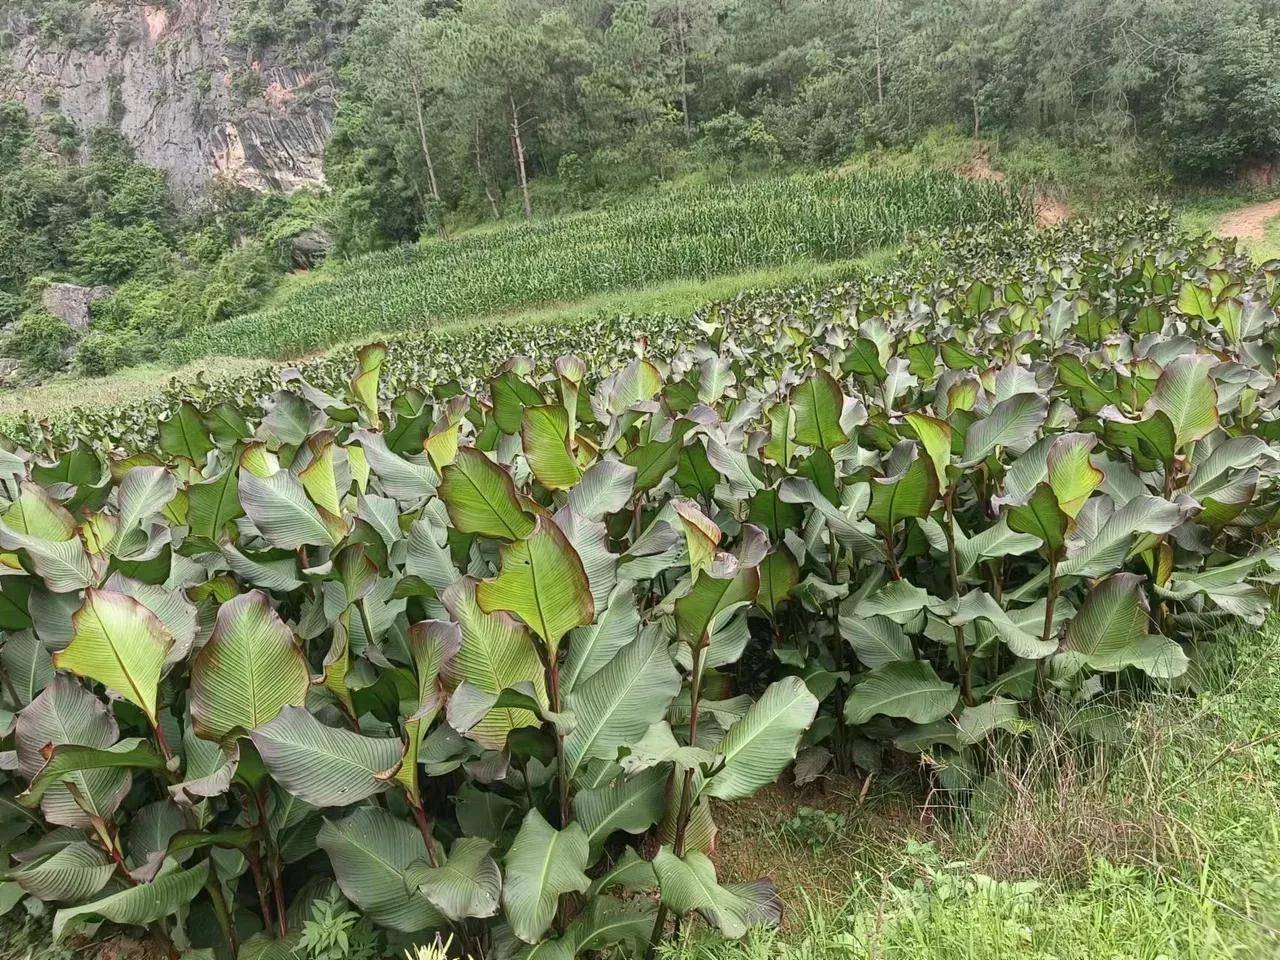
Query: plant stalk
273, 863
424, 827
891, 555
686, 792
1042, 665
552, 664
963, 661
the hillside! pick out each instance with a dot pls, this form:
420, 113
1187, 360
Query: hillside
179, 81
166, 164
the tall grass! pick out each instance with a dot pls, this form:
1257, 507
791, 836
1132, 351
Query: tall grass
1162, 842
689, 234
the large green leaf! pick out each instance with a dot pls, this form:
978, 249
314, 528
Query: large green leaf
910, 689
757, 748
41, 527
593, 646
1186, 394
659, 456
605, 488
606, 922
408, 480
250, 668
876, 640
27, 664
935, 437
543, 582
779, 575
632, 804
1041, 517
74, 872
980, 605
377, 859
1072, 475
544, 431
689, 883
899, 600
36, 514
183, 434
121, 644
724, 586
433, 645
1011, 423
281, 511
1111, 631
640, 380
497, 653
542, 864
143, 492
67, 759
467, 884
325, 766
911, 492
364, 383
616, 705
138, 906
1100, 545
1151, 439
818, 403
66, 713
482, 498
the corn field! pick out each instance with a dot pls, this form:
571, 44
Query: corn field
692, 234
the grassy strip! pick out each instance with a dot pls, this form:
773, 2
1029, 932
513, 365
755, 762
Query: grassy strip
60, 397
1165, 844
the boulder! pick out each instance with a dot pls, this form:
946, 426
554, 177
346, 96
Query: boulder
8, 368
309, 248
71, 303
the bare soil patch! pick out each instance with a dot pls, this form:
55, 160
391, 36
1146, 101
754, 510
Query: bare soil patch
1050, 209
1249, 223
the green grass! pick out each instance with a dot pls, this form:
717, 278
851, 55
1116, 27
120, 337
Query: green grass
1164, 846
694, 234
60, 396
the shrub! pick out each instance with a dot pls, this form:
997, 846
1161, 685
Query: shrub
11, 307
739, 141
106, 253
102, 352
40, 341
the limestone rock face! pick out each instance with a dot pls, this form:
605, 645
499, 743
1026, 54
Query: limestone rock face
191, 102
71, 303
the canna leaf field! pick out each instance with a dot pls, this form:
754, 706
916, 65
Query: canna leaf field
487, 629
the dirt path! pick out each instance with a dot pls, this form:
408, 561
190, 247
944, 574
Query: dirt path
1249, 223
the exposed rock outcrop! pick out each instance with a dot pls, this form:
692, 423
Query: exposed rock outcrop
191, 102
71, 303
309, 248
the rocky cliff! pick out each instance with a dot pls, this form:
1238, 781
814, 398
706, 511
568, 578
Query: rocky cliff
172, 81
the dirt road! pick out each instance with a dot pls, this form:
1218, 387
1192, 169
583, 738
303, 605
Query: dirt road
1249, 223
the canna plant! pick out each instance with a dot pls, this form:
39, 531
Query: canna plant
464, 680
488, 651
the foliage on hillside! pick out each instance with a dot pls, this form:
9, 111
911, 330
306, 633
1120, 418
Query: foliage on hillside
485, 642
111, 220
450, 108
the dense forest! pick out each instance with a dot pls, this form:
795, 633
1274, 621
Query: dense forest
451, 113
458, 105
